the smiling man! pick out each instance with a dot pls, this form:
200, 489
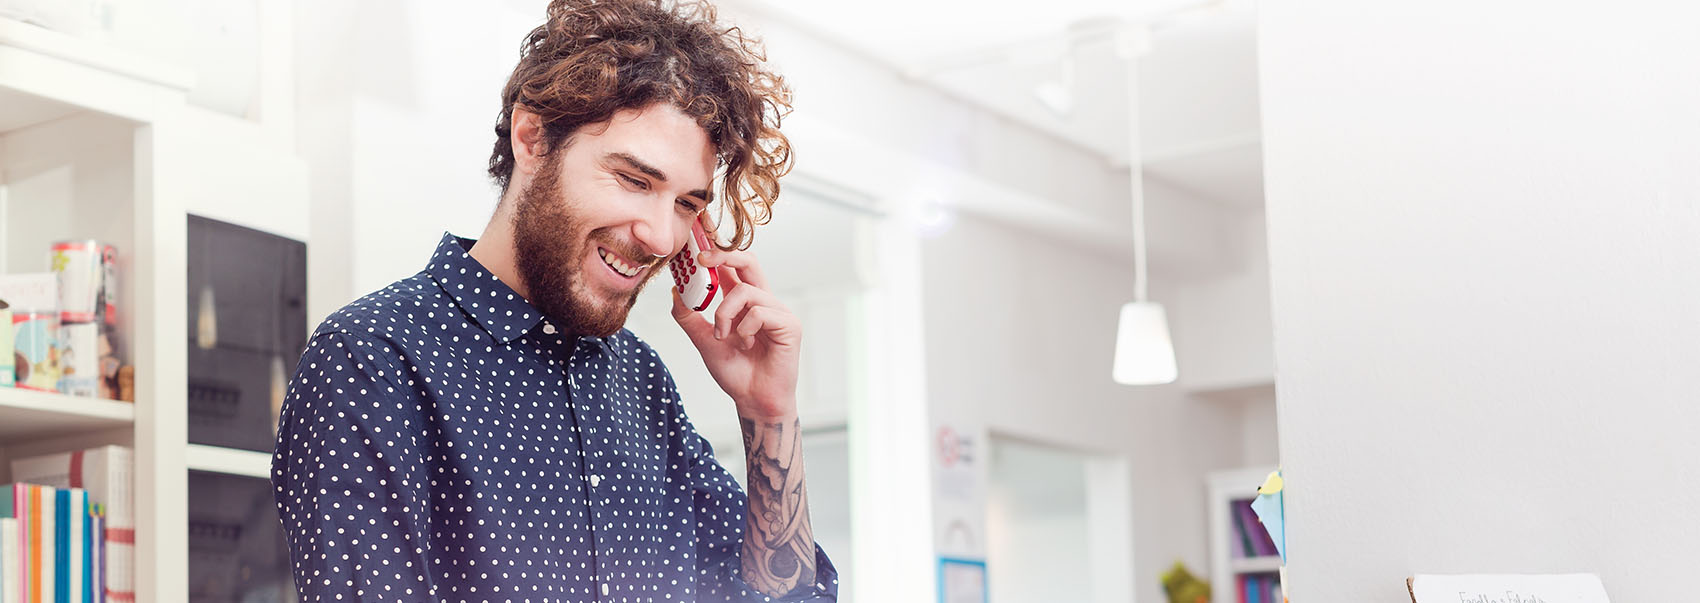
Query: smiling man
486, 430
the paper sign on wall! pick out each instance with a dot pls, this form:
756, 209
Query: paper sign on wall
1490, 588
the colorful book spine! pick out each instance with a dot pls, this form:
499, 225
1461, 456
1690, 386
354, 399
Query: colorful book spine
49, 544
11, 544
105, 473
50, 539
100, 563
1256, 534
11, 580
76, 515
88, 552
41, 537
61, 546
68, 544
1242, 529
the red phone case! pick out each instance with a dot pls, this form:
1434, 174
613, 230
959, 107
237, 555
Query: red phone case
696, 284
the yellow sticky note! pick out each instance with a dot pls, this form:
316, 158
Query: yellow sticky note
1272, 484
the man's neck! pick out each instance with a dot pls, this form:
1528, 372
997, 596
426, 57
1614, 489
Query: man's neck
495, 250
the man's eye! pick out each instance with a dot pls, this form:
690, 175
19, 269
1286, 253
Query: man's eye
635, 182
687, 205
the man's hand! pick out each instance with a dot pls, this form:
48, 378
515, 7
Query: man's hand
753, 344
751, 349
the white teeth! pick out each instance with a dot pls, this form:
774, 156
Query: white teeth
616, 264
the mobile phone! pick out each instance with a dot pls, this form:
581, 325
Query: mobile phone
696, 284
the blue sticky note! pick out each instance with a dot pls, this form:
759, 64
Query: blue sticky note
1271, 511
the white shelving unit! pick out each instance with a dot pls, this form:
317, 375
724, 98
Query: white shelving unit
230, 461
1225, 487
101, 143
26, 414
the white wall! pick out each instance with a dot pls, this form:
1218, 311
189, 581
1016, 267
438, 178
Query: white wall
1223, 336
1485, 244
1020, 330
396, 123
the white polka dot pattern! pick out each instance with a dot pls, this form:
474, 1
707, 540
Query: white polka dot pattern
438, 444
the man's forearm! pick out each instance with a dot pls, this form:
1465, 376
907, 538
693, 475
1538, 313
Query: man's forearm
779, 543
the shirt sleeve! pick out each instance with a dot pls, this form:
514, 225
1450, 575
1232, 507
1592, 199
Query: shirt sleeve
720, 504
348, 475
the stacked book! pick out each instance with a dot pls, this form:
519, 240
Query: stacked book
49, 549
69, 535
1251, 538
1260, 588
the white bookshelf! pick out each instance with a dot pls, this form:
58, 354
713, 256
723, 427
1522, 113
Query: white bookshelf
1254, 565
26, 414
230, 461
1224, 488
99, 142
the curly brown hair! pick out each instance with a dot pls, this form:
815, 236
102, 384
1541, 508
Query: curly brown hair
593, 58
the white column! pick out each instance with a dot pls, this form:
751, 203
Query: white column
890, 481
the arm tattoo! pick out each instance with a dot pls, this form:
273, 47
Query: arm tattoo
779, 543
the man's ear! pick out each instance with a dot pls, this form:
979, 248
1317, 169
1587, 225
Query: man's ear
526, 141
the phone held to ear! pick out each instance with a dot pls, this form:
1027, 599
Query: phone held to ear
696, 284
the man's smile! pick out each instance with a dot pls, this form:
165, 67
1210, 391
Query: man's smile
625, 270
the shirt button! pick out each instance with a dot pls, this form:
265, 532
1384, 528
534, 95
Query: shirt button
549, 328
605, 589
594, 480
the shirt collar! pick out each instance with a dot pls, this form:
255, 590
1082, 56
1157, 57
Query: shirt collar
491, 303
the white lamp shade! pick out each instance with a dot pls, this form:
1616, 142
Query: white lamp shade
1144, 353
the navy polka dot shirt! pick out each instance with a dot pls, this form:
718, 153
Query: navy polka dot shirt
442, 441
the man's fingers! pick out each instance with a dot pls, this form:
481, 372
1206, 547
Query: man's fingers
730, 277
744, 262
774, 323
753, 321
735, 303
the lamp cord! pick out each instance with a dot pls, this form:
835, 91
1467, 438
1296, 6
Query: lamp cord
1135, 177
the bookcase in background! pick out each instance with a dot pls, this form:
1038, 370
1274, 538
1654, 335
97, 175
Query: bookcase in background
101, 143
1243, 563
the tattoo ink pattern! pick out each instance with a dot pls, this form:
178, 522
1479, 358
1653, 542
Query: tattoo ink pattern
779, 543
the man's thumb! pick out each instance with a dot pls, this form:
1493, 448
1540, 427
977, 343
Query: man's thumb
692, 321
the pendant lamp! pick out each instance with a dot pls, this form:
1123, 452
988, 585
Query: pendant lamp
1144, 353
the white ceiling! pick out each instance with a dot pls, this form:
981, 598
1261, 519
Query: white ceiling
1197, 76
914, 32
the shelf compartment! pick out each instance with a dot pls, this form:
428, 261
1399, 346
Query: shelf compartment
229, 461
1255, 565
29, 415
48, 75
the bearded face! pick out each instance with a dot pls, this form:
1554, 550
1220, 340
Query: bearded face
551, 247
597, 216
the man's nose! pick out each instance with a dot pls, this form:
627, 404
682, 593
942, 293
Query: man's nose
654, 232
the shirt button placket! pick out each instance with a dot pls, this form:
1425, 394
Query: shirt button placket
592, 479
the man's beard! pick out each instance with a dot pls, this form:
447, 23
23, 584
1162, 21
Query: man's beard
550, 247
